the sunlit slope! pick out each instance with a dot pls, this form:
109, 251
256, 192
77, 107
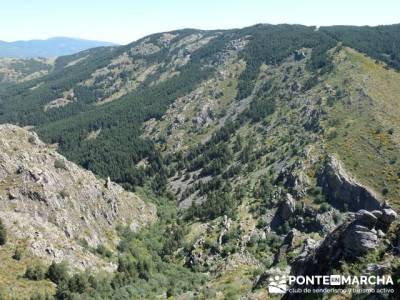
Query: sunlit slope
363, 128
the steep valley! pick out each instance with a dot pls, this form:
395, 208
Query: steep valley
237, 155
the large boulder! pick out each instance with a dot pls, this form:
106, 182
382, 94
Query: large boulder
359, 240
295, 179
343, 191
388, 215
287, 207
366, 218
357, 236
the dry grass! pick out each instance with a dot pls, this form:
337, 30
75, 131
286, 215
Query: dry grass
12, 283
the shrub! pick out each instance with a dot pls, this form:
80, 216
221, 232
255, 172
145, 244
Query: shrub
35, 272
57, 272
331, 133
3, 234
31, 139
324, 207
385, 191
60, 164
78, 283
127, 268
17, 254
337, 218
103, 251
64, 194
40, 296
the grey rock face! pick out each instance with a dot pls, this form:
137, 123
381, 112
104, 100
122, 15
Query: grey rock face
359, 240
388, 215
299, 55
377, 213
343, 190
366, 218
287, 207
357, 236
312, 117
294, 179
326, 220
64, 204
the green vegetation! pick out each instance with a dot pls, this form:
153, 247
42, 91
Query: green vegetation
57, 273
374, 161
103, 251
120, 122
217, 204
13, 283
29, 66
3, 234
148, 265
240, 165
380, 42
263, 104
17, 254
272, 44
35, 272
60, 164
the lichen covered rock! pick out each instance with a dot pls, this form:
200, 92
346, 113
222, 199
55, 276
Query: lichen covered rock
57, 206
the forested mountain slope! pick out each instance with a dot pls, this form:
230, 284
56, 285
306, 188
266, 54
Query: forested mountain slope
260, 145
17, 70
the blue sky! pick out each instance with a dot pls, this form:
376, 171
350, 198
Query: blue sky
123, 21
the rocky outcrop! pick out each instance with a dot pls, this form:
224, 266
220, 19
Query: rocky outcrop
326, 220
287, 246
299, 55
295, 179
312, 117
52, 203
357, 236
204, 116
343, 191
359, 240
287, 208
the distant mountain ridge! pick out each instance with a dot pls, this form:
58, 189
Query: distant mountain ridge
51, 47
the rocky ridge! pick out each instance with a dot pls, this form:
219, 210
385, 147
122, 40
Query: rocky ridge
57, 207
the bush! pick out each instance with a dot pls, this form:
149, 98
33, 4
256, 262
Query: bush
324, 207
57, 272
79, 283
64, 194
40, 296
17, 254
331, 133
60, 164
35, 272
103, 251
31, 139
217, 204
385, 191
127, 268
3, 234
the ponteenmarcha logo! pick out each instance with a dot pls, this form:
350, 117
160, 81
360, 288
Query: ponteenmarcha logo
280, 284
277, 284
